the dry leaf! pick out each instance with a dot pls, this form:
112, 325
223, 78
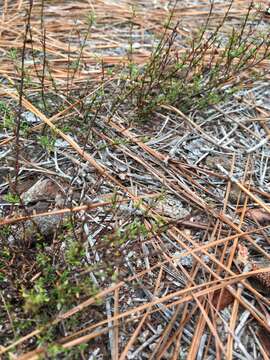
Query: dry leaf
264, 339
242, 255
259, 215
222, 298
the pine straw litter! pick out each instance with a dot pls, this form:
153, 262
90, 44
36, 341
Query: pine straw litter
189, 193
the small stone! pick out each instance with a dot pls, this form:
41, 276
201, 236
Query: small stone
31, 118
31, 230
42, 189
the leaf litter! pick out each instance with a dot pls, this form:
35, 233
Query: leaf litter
125, 236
